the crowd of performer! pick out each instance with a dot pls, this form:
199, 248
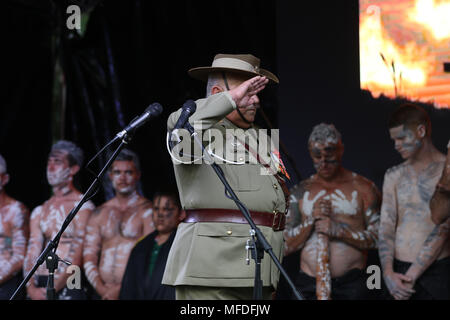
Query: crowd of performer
123, 248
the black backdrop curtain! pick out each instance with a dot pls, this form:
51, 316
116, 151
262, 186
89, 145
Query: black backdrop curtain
132, 54
25, 107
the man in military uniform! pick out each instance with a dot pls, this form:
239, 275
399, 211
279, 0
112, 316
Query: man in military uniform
207, 259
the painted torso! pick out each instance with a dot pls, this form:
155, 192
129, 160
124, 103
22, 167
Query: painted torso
13, 228
349, 202
119, 229
413, 192
49, 217
54, 213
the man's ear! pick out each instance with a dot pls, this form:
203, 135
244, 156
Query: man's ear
182, 215
6, 180
340, 149
421, 131
110, 175
74, 169
216, 89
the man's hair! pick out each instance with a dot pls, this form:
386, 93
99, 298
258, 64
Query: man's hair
128, 155
410, 115
171, 195
216, 78
75, 154
325, 133
3, 168
213, 79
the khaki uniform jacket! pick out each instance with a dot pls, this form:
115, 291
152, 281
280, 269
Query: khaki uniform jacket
213, 253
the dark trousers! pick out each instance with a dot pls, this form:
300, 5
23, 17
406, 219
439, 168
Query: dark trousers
350, 286
9, 287
64, 293
433, 284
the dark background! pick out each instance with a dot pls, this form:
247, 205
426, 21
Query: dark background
136, 52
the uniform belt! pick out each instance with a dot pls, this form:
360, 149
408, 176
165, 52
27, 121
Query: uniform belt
275, 220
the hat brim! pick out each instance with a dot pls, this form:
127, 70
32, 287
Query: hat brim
202, 73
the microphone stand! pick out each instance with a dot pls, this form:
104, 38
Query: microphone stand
259, 243
49, 253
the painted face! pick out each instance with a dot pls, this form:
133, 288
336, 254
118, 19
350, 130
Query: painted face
166, 215
407, 141
124, 176
58, 168
326, 158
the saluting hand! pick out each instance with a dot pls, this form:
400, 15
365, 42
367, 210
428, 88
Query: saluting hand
245, 94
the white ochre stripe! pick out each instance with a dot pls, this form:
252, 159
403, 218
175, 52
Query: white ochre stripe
233, 63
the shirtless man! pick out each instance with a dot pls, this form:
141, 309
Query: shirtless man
414, 252
64, 162
440, 202
13, 237
115, 227
336, 208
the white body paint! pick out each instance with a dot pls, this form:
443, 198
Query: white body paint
91, 272
127, 189
59, 176
340, 204
11, 257
308, 205
148, 213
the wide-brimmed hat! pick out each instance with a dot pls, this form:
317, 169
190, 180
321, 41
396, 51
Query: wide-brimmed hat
237, 63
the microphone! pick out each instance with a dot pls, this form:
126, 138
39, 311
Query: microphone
188, 109
152, 111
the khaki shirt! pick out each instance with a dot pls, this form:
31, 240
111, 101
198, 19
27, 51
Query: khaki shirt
212, 253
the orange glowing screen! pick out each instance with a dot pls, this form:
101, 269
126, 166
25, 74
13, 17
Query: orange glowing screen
403, 47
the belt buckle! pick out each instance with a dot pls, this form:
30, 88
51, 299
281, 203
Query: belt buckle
276, 227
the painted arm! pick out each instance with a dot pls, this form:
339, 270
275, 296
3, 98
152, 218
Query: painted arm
92, 251
297, 236
395, 282
388, 224
147, 218
20, 229
431, 249
298, 224
75, 255
440, 202
367, 238
35, 246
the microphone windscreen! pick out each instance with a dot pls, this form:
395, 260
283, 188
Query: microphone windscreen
190, 105
154, 108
